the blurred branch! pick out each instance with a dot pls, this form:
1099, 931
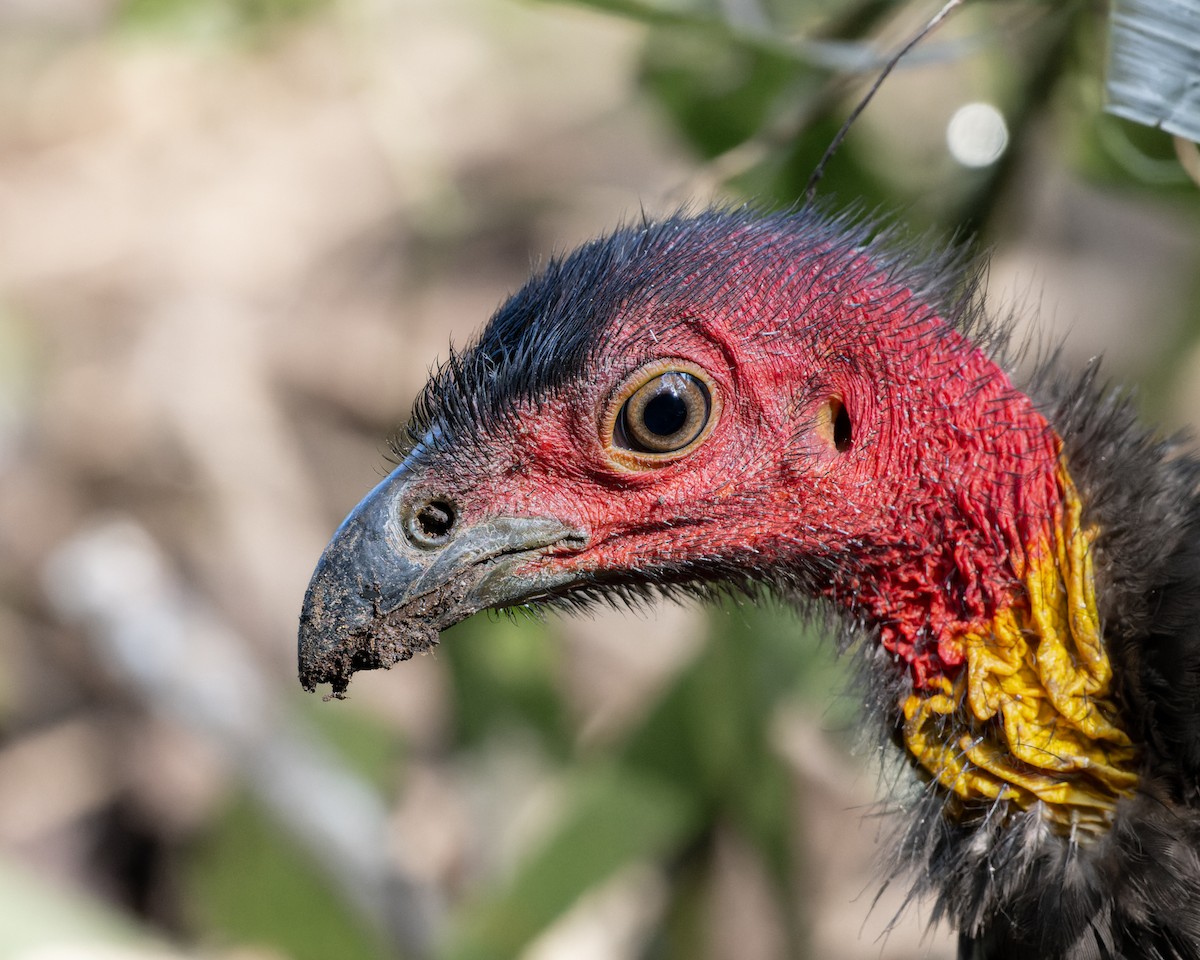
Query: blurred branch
151, 631
834, 54
795, 115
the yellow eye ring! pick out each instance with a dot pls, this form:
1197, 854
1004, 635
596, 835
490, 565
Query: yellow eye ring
659, 414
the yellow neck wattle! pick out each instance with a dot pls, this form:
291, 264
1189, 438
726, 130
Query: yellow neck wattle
1031, 718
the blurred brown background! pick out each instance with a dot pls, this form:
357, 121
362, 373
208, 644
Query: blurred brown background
233, 240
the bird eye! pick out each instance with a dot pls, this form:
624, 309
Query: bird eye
665, 414
661, 413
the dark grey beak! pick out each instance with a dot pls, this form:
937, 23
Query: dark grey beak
402, 567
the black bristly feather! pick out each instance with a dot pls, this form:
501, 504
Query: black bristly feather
1012, 886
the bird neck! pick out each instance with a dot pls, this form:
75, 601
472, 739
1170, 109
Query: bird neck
980, 578
1028, 713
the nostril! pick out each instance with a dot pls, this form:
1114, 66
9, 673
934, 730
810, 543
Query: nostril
429, 523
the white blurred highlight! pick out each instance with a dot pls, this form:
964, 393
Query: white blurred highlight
977, 135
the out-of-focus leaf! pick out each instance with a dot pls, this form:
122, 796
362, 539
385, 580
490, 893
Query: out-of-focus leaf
719, 94
214, 14
616, 818
1121, 152
709, 736
774, 658
504, 673
793, 31
708, 732
249, 884
795, 660
368, 746
668, 11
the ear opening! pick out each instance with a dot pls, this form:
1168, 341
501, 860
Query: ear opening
843, 431
834, 424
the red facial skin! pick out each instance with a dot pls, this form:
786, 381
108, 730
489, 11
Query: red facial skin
920, 525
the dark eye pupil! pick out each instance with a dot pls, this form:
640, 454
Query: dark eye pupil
666, 413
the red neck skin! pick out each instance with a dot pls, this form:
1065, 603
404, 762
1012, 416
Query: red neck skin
965, 489
952, 482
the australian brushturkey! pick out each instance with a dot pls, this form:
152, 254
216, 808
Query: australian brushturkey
799, 402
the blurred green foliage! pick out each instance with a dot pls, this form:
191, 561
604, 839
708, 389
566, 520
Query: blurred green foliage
247, 883
213, 16
770, 81
702, 757
615, 817
505, 675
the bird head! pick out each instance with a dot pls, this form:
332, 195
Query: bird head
721, 399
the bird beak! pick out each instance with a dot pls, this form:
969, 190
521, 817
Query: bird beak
380, 593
